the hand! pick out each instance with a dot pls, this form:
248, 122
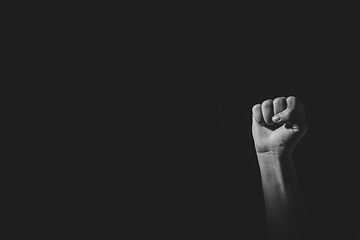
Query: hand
278, 125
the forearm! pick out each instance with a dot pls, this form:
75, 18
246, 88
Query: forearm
286, 217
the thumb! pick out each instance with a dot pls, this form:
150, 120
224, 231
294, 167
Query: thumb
291, 117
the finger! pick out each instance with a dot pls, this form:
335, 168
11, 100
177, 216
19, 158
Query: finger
285, 116
296, 104
257, 114
279, 105
268, 111
292, 118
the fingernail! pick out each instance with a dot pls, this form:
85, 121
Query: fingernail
276, 118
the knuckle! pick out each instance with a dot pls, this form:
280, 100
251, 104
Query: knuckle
296, 102
291, 98
267, 102
279, 100
291, 101
256, 107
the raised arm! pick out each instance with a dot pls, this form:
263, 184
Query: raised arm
277, 127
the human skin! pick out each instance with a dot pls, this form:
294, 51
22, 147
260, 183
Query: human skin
275, 140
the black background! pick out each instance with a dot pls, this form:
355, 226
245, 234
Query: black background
209, 182
213, 72
155, 138
197, 76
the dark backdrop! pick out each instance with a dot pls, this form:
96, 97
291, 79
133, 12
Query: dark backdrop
151, 119
190, 170
208, 178
214, 72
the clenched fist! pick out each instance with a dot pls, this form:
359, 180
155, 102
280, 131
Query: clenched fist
278, 125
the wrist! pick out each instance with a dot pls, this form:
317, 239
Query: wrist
278, 154
274, 161
276, 169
